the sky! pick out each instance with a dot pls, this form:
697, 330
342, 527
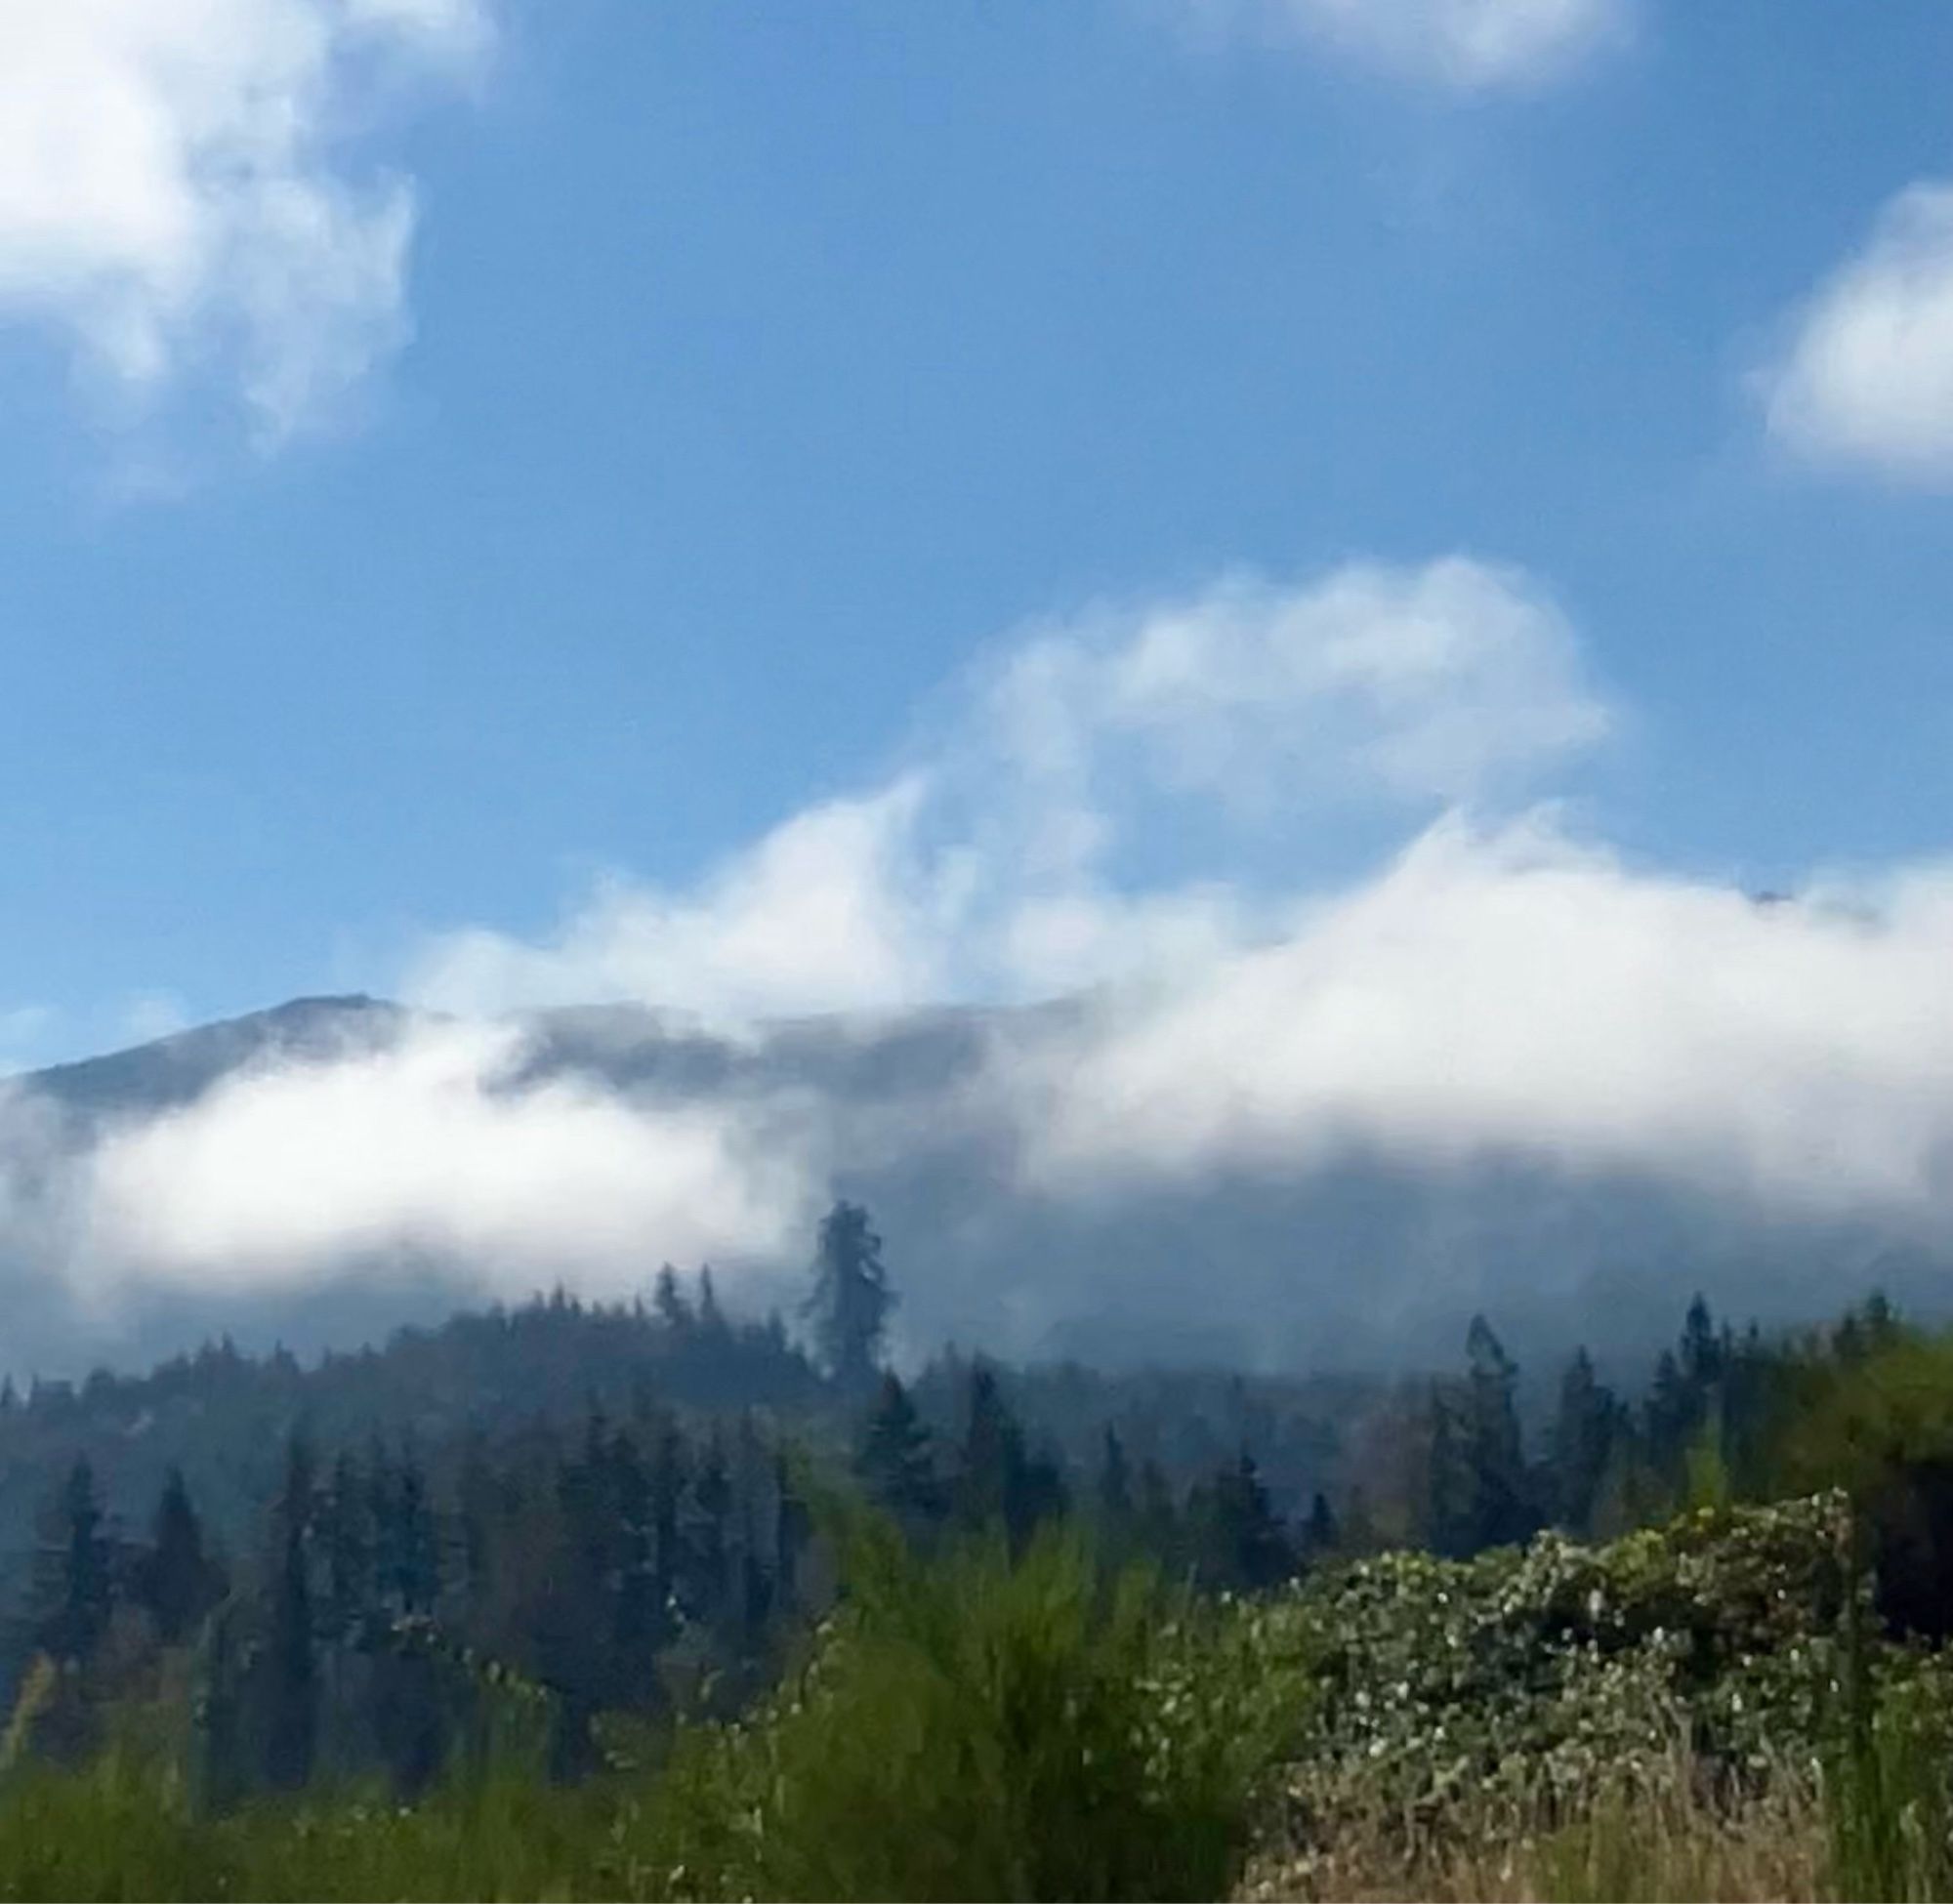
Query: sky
476, 470
1361, 538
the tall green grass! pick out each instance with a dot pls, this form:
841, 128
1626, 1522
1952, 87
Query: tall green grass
963, 1726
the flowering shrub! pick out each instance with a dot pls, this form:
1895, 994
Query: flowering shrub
1503, 1693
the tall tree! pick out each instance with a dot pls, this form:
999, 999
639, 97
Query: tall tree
1319, 1532
848, 1307
76, 1586
175, 1580
1239, 1542
1584, 1433
1501, 1510
289, 1669
674, 1311
1115, 1486
999, 1482
895, 1460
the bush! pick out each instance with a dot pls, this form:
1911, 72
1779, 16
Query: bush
971, 1729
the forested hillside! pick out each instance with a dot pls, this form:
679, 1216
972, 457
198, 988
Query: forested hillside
569, 1545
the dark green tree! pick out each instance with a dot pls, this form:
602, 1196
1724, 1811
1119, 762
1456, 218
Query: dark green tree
1499, 1510
288, 1677
76, 1588
1320, 1533
177, 1580
999, 1483
1115, 1487
848, 1307
1583, 1437
895, 1460
1239, 1543
674, 1311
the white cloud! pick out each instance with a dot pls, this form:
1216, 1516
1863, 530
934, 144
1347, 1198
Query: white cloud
828, 912
175, 191
437, 1153
1514, 992
1433, 683
983, 870
1497, 992
1867, 377
1467, 45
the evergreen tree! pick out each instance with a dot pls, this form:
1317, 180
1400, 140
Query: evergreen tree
1115, 1486
710, 1543
1583, 1438
76, 1581
177, 1581
1702, 1349
674, 1311
1501, 1509
345, 1528
999, 1483
289, 1669
896, 1461
711, 1317
1239, 1542
1157, 1526
1319, 1533
792, 1530
849, 1305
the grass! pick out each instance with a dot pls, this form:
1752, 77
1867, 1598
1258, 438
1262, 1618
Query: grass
964, 1727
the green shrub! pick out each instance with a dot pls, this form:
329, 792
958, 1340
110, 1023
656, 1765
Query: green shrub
971, 1729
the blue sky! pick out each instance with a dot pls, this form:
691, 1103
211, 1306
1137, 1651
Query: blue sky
752, 373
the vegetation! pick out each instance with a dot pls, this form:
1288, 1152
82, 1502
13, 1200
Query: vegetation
696, 1617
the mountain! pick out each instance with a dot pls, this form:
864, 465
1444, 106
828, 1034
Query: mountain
169, 1073
1349, 1260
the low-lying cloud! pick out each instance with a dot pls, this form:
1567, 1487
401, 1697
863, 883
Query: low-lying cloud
1502, 998
433, 1152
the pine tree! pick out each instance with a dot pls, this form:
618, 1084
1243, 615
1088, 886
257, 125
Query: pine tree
76, 1588
1500, 1512
1115, 1487
1319, 1532
710, 1544
848, 1307
668, 1301
289, 1684
792, 1530
1583, 1438
176, 1579
1239, 1542
896, 1461
346, 1533
999, 1483
1158, 1525
711, 1317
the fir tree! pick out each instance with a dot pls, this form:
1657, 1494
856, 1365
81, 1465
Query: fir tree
848, 1307
1319, 1532
289, 1681
76, 1585
1115, 1486
1584, 1433
1239, 1542
896, 1461
177, 1581
674, 1311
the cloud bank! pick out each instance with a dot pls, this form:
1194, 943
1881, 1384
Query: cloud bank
1865, 379
179, 195
1272, 1089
